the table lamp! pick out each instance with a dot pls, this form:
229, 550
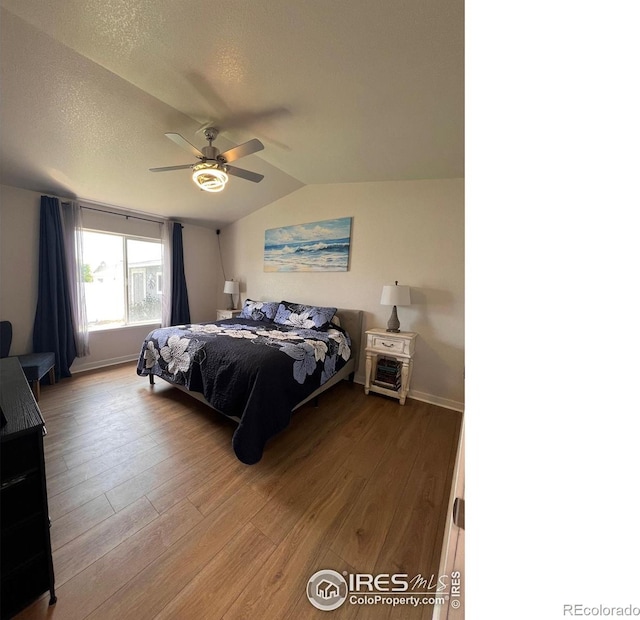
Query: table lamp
394, 295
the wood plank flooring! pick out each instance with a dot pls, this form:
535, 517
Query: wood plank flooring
154, 517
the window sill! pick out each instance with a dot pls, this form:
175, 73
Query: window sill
110, 328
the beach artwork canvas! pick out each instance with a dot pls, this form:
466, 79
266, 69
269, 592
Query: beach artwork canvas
317, 246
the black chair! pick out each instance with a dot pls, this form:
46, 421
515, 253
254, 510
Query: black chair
34, 365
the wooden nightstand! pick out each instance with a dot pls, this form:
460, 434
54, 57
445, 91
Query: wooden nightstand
227, 314
389, 378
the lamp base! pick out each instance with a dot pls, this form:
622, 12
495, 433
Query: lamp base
232, 305
393, 324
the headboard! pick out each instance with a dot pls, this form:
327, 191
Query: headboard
351, 321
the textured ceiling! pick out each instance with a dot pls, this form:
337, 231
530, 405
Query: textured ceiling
337, 92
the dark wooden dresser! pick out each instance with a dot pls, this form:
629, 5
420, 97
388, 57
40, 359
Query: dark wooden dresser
26, 563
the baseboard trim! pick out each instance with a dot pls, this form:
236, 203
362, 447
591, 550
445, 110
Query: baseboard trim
446, 403
114, 361
437, 400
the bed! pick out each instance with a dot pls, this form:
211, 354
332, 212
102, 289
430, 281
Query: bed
257, 368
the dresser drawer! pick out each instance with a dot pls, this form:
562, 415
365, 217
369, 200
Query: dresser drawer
18, 456
22, 542
20, 499
387, 344
24, 584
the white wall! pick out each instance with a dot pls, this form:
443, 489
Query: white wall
19, 226
410, 231
19, 233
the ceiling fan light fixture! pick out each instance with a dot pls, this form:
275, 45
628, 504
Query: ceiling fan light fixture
210, 177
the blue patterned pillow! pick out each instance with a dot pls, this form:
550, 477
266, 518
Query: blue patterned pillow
259, 310
299, 315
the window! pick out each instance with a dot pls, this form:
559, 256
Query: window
122, 277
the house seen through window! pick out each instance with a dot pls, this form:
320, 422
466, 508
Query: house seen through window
122, 278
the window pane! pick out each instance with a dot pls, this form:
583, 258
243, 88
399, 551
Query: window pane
144, 270
104, 279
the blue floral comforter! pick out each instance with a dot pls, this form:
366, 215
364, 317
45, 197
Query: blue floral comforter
250, 369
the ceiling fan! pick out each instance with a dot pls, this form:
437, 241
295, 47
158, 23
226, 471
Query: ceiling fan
211, 174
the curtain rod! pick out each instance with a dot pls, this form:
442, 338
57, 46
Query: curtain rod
135, 217
80, 201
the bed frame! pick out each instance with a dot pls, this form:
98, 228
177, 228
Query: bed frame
351, 321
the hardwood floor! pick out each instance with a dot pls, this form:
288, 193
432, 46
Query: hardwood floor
154, 517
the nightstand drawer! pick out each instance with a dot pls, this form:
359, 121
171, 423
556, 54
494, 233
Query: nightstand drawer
388, 344
227, 314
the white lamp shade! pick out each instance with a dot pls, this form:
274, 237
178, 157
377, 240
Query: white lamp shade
395, 295
231, 287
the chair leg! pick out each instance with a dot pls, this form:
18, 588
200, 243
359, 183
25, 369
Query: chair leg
52, 375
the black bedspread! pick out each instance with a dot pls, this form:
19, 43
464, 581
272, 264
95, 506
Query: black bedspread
253, 370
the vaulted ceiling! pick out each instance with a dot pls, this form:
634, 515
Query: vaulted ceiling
338, 92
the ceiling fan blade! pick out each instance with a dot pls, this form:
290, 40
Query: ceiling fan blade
245, 120
242, 150
225, 119
187, 146
245, 174
166, 168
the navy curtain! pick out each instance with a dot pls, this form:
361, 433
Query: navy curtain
53, 325
179, 298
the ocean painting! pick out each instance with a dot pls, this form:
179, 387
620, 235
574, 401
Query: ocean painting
318, 246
